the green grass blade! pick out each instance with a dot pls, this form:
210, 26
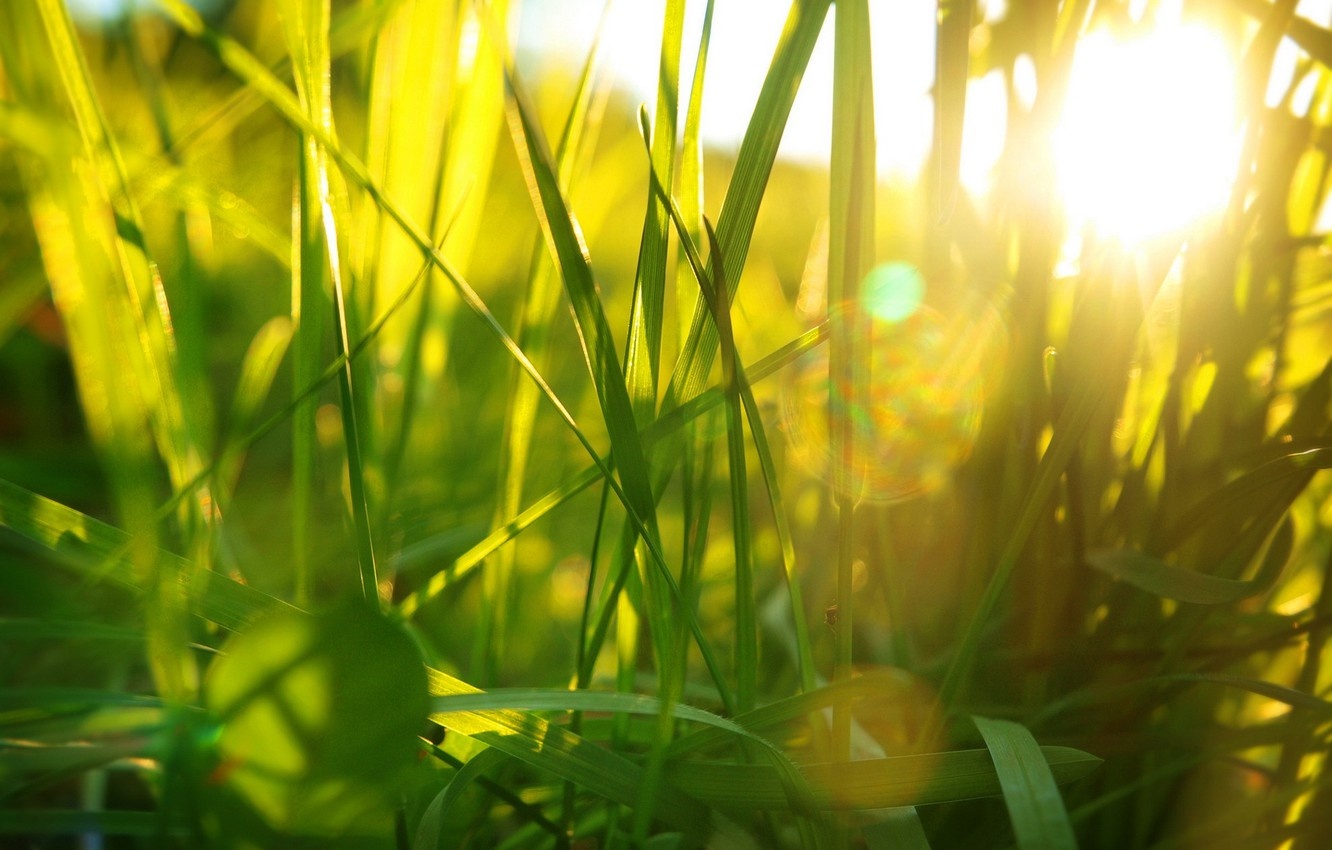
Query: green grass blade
701, 280
642, 362
852, 184
540, 302
503, 534
871, 783
746, 619
952, 73
691, 177
900, 829
758, 151
428, 832
565, 242
307, 37
1031, 791
1172, 581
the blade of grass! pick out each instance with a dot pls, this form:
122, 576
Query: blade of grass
565, 242
691, 177
758, 151
306, 25
1031, 792
1188, 585
258, 369
104, 286
701, 279
746, 620
852, 189
951, 73
541, 299
870, 783
643, 365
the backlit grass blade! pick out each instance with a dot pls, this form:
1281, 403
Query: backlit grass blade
98, 551
307, 37
503, 534
540, 301
758, 150
642, 361
1172, 581
691, 189
1031, 790
565, 241
746, 620
952, 73
852, 191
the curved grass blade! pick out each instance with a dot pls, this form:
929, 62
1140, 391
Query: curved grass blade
527, 810
429, 834
746, 619
1171, 581
1031, 792
691, 176
1237, 496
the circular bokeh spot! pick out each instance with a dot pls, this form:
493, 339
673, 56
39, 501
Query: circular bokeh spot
892, 291
903, 418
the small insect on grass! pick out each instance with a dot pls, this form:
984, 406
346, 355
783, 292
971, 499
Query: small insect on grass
832, 614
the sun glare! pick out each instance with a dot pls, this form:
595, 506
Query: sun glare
1148, 141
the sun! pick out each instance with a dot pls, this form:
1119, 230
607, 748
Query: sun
1148, 141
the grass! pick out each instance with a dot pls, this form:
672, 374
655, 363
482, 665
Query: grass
404, 446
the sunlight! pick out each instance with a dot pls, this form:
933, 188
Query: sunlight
1148, 141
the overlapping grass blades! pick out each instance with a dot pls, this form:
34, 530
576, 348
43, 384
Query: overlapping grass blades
1131, 562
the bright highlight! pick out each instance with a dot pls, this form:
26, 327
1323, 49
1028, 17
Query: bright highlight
1148, 141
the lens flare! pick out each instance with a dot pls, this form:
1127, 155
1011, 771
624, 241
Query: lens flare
893, 291
912, 412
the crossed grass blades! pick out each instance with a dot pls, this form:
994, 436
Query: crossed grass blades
365, 405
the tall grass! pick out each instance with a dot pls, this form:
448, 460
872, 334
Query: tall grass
409, 445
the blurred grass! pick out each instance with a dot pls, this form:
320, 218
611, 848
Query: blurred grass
291, 315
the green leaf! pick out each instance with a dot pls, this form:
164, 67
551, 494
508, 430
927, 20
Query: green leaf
1031, 792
